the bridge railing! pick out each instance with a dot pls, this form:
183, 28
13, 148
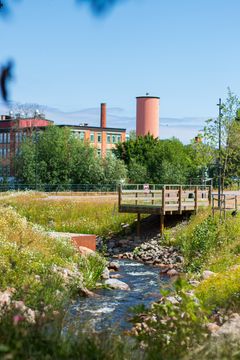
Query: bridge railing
227, 202
169, 198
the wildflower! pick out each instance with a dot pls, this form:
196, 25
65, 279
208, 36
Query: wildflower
17, 319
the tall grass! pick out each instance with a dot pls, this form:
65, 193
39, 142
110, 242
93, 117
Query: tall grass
87, 216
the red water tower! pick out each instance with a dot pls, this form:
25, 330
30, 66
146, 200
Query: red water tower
147, 116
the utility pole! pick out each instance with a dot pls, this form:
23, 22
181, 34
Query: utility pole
219, 152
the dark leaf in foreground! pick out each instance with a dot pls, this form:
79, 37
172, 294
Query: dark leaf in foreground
99, 6
5, 76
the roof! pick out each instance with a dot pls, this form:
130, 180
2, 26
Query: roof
96, 128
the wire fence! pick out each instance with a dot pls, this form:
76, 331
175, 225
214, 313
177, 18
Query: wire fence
59, 187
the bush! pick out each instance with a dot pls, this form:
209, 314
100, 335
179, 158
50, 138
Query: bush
172, 327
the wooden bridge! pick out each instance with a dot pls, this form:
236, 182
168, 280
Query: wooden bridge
162, 200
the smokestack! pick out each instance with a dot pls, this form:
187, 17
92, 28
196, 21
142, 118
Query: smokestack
103, 123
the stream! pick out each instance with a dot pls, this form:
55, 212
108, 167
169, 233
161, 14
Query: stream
111, 309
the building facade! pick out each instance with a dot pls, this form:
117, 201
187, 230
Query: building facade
13, 129
103, 138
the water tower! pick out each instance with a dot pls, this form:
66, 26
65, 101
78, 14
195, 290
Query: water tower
147, 116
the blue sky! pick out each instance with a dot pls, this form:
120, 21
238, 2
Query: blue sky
70, 60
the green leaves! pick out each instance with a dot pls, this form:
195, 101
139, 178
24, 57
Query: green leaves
58, 157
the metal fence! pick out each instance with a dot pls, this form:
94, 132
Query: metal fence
59, 187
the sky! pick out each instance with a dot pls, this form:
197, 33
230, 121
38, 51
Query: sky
69, 60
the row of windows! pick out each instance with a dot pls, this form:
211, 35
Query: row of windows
4, 152
5, 138
111, 138
108, 152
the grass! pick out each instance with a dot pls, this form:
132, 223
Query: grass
27, 254
210, 244
87, 216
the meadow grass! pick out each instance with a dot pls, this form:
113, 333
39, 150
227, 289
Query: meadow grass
88, 216
212, 244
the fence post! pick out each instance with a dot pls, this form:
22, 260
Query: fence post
210, 195
119, 196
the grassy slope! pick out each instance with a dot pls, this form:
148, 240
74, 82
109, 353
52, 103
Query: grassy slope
209, 244
88, 217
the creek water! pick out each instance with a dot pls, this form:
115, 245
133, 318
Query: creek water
111, 310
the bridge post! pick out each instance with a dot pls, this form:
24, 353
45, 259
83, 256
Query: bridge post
196, 199
161, 224
138, 224
180, 199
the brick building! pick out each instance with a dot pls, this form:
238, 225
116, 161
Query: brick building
103, 138
14, 128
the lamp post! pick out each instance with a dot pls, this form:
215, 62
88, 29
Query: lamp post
219, 152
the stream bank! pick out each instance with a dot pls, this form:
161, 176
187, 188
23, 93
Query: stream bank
110, 310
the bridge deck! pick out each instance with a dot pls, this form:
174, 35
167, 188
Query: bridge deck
162, 199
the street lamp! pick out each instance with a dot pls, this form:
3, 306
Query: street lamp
219, 151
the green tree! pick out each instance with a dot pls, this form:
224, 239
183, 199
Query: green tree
230, 134
137, 172
114, 169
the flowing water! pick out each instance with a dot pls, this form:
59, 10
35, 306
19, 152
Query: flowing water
112, 309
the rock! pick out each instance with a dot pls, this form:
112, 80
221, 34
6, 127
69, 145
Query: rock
123, 243
212, 327
230, 328
173, 300
194, 283
206, 274
87, 293
105, 274
117, 284
114, 265
172, 272
115, 276
85, 251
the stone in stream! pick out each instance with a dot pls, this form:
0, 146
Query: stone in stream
113, 265
105, 274
117, 284
115, 276
172, 272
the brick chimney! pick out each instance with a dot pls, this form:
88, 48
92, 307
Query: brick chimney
103, 123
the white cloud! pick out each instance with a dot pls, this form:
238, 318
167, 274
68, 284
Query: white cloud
182, 128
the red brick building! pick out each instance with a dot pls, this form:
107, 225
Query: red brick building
13, 129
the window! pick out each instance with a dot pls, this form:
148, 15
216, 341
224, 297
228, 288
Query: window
1, 138
114, 139
92, 137
8, 138
108, 138
119, 138
99, 137
99, 152
81, 135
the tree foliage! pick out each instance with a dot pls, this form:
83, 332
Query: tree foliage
230, 137
56, 156
156, 161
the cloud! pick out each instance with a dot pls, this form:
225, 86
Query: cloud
184, 128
